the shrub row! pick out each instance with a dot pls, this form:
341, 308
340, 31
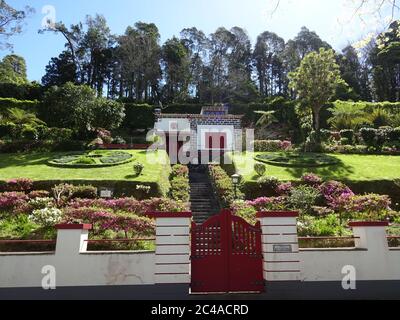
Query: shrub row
223, 186
179, 179
272, 145
120, 188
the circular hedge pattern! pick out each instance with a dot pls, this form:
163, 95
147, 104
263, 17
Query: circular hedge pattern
298, 160
94, 159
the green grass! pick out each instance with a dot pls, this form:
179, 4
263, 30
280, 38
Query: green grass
350, 168
34, 166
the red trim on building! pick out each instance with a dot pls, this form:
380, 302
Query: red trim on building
369, 224
170, 214
278, 214
74, 226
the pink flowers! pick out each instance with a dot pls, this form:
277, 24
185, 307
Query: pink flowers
13, 201
284, 189
263, 204
286, 145
335, 193
18, 185
311, 179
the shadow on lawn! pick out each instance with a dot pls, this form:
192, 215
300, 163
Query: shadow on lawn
339, 171
24, 160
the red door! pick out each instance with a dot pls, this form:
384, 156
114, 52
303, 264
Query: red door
226, 256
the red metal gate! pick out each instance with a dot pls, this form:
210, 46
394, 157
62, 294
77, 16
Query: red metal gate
226, 256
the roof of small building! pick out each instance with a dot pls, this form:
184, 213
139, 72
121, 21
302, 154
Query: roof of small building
198, 116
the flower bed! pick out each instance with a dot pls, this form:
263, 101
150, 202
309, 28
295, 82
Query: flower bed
31, 215
94, 159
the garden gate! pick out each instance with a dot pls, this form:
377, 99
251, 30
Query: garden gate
226, 256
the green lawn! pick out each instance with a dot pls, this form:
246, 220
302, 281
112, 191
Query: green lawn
34, 166
350, 168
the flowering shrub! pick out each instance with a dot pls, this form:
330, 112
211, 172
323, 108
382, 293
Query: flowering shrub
270, 183
268, 204
303, 198
179, 171
317, 227
311, 179
47, 217
15, 202
179, 179
131, 205
130, 224
244, 210
103, 219
41, 203
39, 194
104, 135
365, 207
272, 145
17, 185
334, 191
223, 185
286, 145
284, 189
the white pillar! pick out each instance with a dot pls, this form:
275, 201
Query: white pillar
371, 236
280, 246
172, 248
72, 238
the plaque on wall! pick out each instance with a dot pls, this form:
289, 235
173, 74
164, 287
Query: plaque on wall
283, 248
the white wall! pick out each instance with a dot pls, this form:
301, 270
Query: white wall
75, 266
203, 129
164, 124
84, 269
327, 265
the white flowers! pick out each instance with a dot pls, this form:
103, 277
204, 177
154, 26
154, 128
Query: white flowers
47, 217
41, 203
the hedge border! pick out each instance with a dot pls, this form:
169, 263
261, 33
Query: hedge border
288, 165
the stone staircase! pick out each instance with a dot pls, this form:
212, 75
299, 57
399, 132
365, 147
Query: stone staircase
203, 202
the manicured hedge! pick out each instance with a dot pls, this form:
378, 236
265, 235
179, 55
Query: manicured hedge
180, 187
121, 188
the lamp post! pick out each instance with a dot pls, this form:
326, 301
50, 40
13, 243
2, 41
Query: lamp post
236, 181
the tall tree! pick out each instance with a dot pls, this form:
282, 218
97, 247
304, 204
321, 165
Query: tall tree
13, 70
176, 64
315, 82
90, 48
139, 57
196, 44
60, 70
269, 64
385, 59
11, 22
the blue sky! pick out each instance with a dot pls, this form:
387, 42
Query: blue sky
329, 18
